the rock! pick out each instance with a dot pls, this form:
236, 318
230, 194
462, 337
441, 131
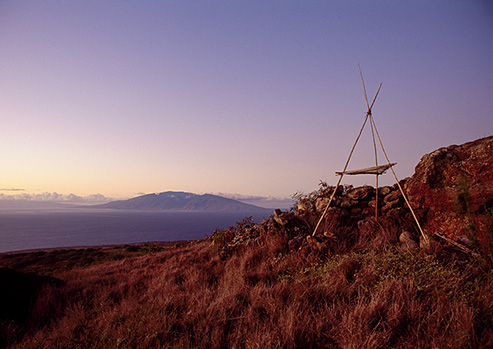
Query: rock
382, 191
280, 217
396, 213
409, 246
372, 203
347, 202
336, 202
402, 183
451, 189
314, 243
305, 205
360, 193
321, 204
464, 240
394, 195
363, 204
426, 245
334, 220
390, 205
330, 235
295, 242
327, 192
454, 185
405, 236
356, 211
283, 218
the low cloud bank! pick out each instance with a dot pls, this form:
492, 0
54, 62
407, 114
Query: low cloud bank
54, 197
262, 201
59, 198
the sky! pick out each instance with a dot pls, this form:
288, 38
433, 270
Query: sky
259, 98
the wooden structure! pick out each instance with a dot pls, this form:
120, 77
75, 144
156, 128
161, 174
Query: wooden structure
376, 170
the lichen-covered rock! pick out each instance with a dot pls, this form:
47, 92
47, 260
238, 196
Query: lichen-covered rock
382, 191
348, 202
360, 193
394, 195
390, 205
454, 186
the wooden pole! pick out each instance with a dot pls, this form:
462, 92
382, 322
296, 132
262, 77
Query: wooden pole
364, 88
425, 238
340, 177
376, 164
368, 115
463, 248
372, 134
375, 98
328, 204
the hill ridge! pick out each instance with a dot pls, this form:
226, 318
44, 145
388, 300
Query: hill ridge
181, 201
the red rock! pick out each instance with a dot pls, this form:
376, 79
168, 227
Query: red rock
394, 195
321, 204
390, 205
454, 184
360, 193
305, 205
382, 191
356, 211
405, 236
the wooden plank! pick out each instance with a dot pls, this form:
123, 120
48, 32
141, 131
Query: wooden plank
376, 170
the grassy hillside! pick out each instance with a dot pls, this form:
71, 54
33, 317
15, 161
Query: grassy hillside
259, 285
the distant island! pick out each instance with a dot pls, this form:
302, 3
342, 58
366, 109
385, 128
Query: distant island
181, 201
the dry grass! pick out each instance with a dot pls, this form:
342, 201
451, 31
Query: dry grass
263, 294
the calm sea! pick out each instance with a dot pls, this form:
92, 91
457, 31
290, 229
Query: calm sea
34, 229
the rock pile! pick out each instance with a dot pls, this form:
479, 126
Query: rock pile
353, 207
451, 192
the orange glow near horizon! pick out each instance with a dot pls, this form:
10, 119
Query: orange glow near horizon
216, 97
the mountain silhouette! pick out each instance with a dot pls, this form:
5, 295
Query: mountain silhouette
181, 201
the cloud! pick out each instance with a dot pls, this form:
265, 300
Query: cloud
55, 197
262, 201
11, 189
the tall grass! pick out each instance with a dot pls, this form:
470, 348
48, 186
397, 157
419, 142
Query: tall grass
265, 294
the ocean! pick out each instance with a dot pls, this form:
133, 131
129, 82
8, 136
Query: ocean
37, 229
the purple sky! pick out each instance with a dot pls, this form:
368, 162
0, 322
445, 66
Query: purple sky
247, 97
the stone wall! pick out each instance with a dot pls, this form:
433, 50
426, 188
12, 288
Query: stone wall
451, 193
